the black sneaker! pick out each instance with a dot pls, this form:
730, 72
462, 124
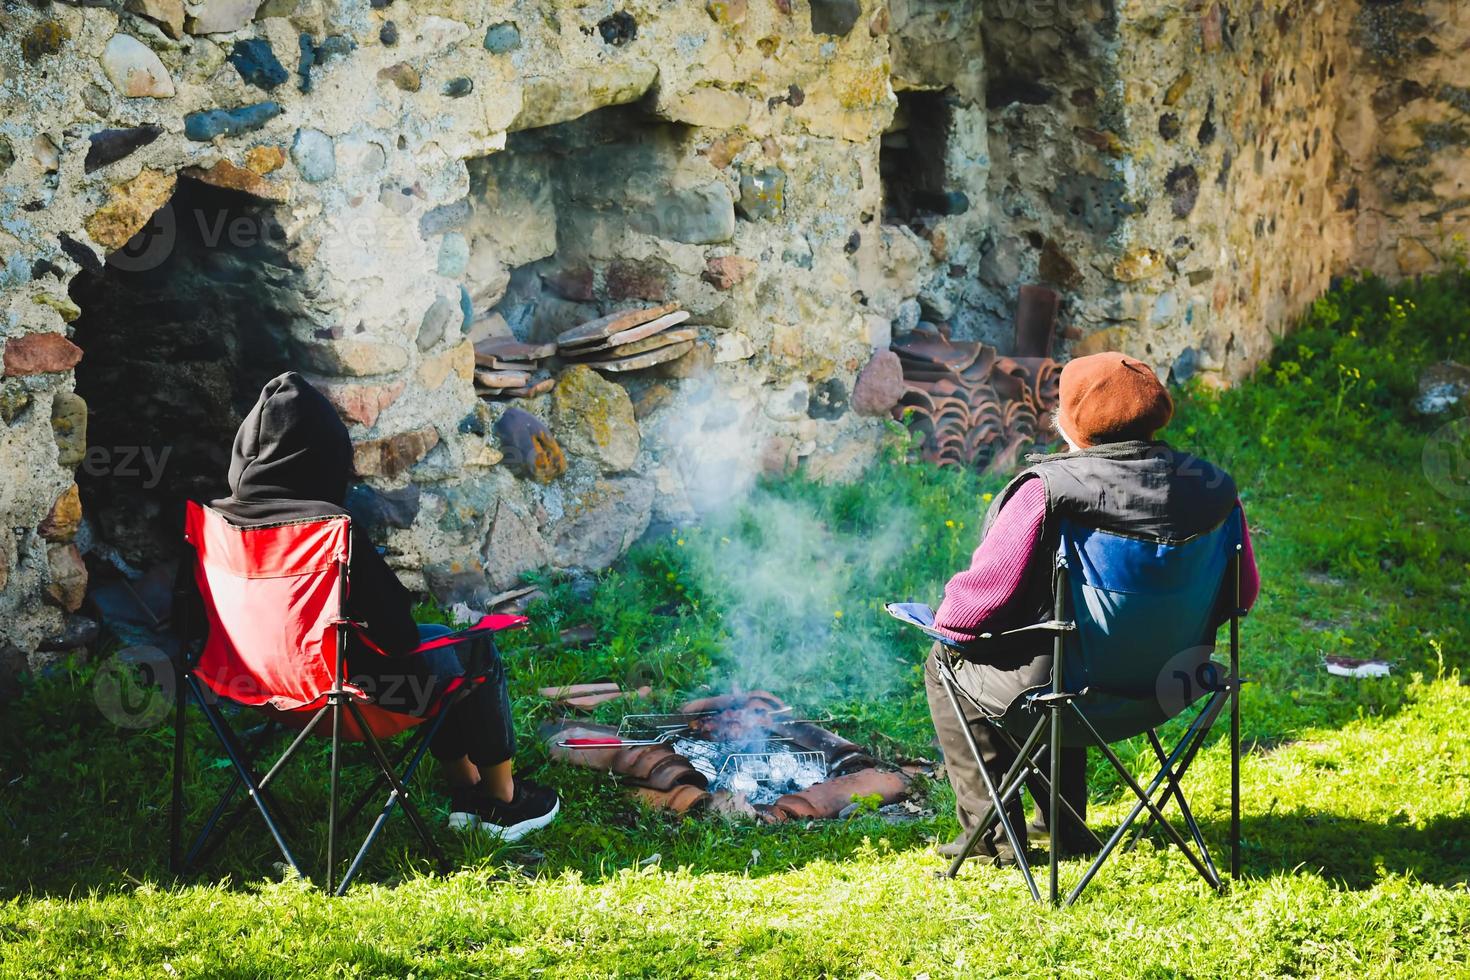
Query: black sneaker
532, 808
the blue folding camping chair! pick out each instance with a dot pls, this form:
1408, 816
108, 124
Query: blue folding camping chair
1133, 632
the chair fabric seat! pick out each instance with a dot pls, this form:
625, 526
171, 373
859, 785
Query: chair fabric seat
1115, 716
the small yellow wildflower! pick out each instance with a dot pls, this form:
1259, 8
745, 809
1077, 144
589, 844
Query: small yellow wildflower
987, 497
837, 614
680, 542
949, 523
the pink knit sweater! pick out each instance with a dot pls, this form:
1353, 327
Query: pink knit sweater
981, 593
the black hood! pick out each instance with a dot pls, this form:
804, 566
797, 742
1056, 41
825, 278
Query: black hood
292, 446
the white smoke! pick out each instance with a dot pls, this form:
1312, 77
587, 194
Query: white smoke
793, 591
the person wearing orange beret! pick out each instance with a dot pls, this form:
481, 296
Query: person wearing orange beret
1115, 475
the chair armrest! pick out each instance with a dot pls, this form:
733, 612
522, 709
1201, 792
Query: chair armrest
1049, 626
487, 625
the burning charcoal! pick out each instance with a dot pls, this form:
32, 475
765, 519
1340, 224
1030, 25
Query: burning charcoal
808, 776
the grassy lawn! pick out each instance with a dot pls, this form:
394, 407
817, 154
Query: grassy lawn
1357, 805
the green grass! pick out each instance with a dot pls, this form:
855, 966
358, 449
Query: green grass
1357, 808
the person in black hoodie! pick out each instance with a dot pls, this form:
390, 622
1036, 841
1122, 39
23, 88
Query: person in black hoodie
292, 459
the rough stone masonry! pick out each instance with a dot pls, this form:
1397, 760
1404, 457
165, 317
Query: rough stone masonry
362, 189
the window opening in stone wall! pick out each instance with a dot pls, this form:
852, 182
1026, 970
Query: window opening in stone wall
913, 160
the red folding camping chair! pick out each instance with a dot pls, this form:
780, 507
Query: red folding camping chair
272, 636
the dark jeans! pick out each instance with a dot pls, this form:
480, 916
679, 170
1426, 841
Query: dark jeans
972, 802
478, 724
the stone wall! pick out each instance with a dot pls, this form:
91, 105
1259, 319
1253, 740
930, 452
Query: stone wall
1239, 156
377, 184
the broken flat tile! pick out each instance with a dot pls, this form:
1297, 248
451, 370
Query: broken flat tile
502, 379
531, 390
648, 329
510, 349
646, 360
596, 331
514, 600
664, 338
937, 351
578, 636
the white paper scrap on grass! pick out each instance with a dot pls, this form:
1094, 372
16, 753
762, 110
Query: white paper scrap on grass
1352, 667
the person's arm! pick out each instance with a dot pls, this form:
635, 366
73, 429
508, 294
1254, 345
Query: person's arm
997, 572
377, 599
1250, 575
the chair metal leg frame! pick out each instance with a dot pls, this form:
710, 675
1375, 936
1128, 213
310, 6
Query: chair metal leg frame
417, 749
1174, 775
1235, 613
1010, 784
417, 741
211, 837
997, 804
416, 746
176, 810
200, 853
1197, 730
213, 833
1173, 769
398, 796
1045, 781
334, 700
1173, 766
1025, 766
243, 775
1172, 790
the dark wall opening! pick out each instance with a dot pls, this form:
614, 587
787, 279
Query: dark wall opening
179, 331
912, 159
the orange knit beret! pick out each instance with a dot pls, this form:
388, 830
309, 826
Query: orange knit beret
1111, 398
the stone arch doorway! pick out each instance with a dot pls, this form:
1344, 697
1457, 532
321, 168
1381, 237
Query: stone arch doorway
180, 328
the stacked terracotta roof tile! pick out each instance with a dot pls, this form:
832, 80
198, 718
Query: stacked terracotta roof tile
972, 407
627, 340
